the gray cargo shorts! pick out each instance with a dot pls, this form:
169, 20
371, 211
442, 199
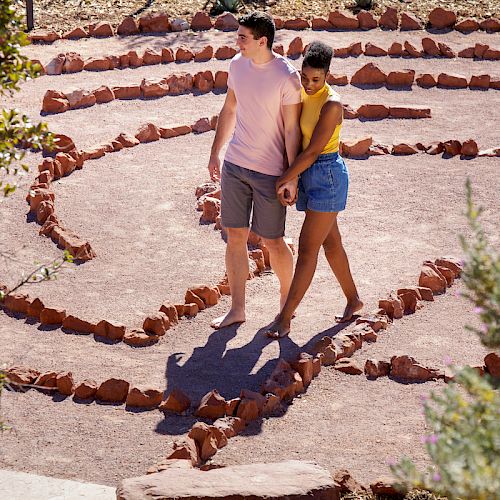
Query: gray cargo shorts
243, 190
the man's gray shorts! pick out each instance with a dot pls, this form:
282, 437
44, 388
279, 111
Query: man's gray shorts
243, 190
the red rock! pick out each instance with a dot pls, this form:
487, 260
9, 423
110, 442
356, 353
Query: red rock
469, 148
442, 18
230, 426
171, 312
452, 147
393, 306
356, 49
112, 331
492, 363
491, 55
68, 163
203, 81
204, 54
373, 111
357, 147
409, 112
176, 402
157, 323
94, 154
279, 49
78, 325
395, 50
80, 99
127, 141
64, 383
366, 20
56, 65
221, 80
452, 80
154, 23
192, 298
225, 52
52, 316
304, 367
431, 278
113, 390
346, 483
201, 21
44, 210
212, 406
410, 22
492, 25
226, 22
446, 51
20, 375
97, 64
179, 24
320, 24
102, 29
183, 54
343, 20
36, 196
46, 380
284, 382
375, 369
73, 63
404, 149
448, 275
279, 23
103, 94
231, 406
273, 402
151, 57
374, 50
451, 263
412, 50
342, 52
208, 438
54, 102
46, 36
211, 210
405, 367
376, 321
389, 19
295, 48
127, 27
296, 24
205, 188
86, 389
426, 293
179, 83
154, 87
35, 308
384, 487
139, 338
209, 295
348, 366
467, 25
426, 80
182, 130
480, 82
480, 49
144, 397
148, 133
369, 74
134, 60
430, 47
337, 80
167, 55
248, 410
410, 301
185, 449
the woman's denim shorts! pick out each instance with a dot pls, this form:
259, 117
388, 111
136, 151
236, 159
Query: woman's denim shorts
323, 186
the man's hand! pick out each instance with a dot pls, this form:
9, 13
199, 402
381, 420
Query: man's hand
214, 167
287, 192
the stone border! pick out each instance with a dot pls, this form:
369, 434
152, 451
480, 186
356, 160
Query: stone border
72, 62
439, 19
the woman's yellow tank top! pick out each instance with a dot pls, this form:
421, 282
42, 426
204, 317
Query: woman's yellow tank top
311, 109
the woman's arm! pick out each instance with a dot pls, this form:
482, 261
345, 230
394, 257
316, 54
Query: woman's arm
329, 118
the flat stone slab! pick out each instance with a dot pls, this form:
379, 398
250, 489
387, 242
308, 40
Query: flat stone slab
22, 486
291, 480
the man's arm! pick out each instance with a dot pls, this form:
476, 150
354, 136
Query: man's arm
225, 127
293, 135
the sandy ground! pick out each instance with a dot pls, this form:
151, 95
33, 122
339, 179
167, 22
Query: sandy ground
136, 207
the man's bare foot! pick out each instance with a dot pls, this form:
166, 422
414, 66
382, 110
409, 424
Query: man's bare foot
350, 309
228, 319
278, 329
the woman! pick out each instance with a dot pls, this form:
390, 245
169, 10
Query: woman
322, 189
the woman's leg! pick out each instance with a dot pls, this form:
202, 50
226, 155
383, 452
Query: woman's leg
315, 229
337, 258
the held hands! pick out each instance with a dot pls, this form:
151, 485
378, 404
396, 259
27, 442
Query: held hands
287, 191
214, 167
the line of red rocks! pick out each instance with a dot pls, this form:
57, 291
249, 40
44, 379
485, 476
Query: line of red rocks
439, 18
72, 62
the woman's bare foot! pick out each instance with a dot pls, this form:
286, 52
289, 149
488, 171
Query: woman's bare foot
278, 329
351, 308
228, 319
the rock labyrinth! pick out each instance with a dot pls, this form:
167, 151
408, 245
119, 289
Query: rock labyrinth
291, 375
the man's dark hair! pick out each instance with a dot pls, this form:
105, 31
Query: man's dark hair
260, 24
318, 55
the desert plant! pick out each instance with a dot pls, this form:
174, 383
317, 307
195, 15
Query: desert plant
364, 4
220, 6
464, 445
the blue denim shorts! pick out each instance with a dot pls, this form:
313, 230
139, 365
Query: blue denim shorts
323, 186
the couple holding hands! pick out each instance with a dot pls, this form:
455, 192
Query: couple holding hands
283, 128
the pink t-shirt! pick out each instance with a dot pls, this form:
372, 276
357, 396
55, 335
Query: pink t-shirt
261, 90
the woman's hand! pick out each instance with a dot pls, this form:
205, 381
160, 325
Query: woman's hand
287, 192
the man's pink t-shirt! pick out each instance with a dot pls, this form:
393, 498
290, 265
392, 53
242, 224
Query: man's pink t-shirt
261, 90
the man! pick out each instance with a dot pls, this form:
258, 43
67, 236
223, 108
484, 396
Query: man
262, 107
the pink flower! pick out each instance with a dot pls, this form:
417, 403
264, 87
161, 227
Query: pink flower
433, 439
484, 328
391, 462
457, 293
478, 310
447, 361
436, 477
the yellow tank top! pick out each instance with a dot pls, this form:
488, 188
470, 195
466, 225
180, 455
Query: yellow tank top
311, 109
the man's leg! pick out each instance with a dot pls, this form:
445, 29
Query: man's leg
237, 274
314, 231
281, 259
337, 258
